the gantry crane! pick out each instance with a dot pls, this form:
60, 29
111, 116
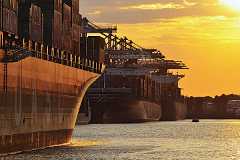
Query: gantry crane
122, 52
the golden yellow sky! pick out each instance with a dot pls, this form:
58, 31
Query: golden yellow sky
205, 34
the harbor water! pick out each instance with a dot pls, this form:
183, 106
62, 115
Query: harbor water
183, 140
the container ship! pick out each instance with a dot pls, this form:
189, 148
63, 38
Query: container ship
44, 73
130, 95
137, 86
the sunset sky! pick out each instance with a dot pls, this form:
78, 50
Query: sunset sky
205, 34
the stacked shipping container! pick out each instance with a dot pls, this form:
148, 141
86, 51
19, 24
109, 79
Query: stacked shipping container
76, 34
30, 21
159, 90
56, 23
93, 47
67, 28
76, 19
35, 24
52, 23
24, 19
9, 14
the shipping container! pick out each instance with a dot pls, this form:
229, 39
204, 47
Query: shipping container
48, 26
67, 18
75, 4
35, 24
23, 19
149, 88
153, 90
76, 19
9, 16
57, 30
52, 28
52, 23
50, 5
6, 3
142, 87
67, 28
76, 35
145, 88
83, 47
75, 48
93, 47
58, 5
30, 21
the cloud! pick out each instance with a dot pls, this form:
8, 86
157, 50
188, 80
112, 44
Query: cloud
94, 12
160, 6
147, 11
154, 6
189, 3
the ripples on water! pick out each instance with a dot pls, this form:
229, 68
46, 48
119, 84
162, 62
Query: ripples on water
184, 140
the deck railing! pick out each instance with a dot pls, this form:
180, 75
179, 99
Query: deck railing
17, 49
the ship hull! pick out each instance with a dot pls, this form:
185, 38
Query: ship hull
83, 119
173, 110
39, 103
16, 143
131, 111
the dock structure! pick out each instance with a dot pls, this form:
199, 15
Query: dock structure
138, 74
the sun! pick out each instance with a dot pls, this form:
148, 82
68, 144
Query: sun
235, 4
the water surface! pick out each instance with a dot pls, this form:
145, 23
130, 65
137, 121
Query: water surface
183, 140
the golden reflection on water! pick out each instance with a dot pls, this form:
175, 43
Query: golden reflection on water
183, 140
86, 143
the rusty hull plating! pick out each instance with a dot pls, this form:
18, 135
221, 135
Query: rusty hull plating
42, 97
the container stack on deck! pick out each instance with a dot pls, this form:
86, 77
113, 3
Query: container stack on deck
93, 46
9, 11
55, 23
